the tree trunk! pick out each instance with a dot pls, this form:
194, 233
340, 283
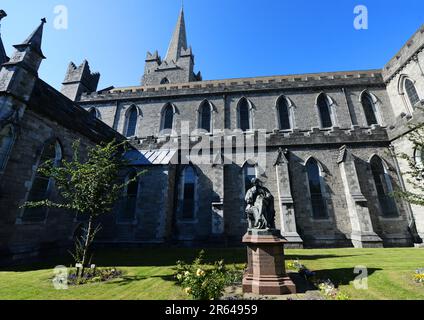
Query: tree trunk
87, 244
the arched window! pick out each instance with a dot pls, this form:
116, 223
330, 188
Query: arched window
129, 206
94, 112
419, 156
168, 117
132, 117
164, 81
249, 173
6, 141
384, 187
41, 185
283, 110
319, 209
411, 92
324, 111
205, 116
188, 193
369, 109
244, 115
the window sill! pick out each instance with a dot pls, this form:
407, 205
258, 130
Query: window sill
21, 222
394, 218
327, 220
188, 221
127, 223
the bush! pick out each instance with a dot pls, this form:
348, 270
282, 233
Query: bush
419, 276
326, 287
204, 281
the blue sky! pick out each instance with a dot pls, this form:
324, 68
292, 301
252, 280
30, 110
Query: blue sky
230, 38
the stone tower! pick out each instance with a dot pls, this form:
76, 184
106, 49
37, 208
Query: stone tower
178, 65
79, 80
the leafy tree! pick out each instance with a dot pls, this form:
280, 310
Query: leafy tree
415, 173
87, 187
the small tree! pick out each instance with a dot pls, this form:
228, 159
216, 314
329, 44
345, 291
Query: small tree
415, 173
89, 187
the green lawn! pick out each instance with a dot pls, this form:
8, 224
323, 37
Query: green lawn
149, 273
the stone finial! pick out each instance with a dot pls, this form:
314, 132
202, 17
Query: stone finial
3, 14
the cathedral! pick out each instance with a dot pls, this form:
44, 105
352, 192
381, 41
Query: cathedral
324, 144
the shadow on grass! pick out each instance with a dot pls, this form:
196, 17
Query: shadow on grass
156, 257
343, 276
126, 280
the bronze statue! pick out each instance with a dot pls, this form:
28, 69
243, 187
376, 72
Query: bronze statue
260, 207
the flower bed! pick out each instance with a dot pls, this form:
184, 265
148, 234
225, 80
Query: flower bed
93, 275
326, 287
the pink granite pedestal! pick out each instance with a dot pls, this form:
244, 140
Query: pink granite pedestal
266, 272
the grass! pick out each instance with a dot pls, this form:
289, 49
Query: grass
148, 273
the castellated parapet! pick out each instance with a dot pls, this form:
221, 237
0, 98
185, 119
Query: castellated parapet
79, 80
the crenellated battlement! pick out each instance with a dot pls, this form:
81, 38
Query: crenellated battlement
79, 80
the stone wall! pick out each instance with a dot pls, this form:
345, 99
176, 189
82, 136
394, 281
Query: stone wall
19, 237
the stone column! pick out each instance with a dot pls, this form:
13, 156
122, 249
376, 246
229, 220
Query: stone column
363, 235
286, 204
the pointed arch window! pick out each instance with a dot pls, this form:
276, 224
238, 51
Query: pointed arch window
164, 81
94, 113
188, 193
132, 119
324, 110
370, 110
7, 137
205, 117
167, 117
42, 186
384, 187
315, 179
284, 114
129, 200
411, 92
249, 173
244, 115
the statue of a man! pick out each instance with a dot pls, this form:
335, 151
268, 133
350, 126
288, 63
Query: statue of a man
260, 207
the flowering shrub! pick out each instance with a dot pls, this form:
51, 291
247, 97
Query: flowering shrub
419, 276
204, 281
302, 270
326, 287
94, 275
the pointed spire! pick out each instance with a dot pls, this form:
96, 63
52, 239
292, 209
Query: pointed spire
178, 41
3, 57
34, 40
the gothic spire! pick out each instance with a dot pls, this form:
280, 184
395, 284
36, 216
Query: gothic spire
3, 56
178, 41
34, 40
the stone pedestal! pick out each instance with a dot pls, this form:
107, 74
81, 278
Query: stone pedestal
266, 272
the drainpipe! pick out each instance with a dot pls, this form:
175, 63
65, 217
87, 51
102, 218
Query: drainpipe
411, 219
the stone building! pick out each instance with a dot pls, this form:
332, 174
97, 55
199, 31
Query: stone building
324, 144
